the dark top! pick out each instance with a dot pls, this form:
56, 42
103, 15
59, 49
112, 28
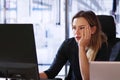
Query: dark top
68, 51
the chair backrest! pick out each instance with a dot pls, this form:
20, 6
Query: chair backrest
109, 28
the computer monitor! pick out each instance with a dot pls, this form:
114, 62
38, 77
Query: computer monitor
18, 58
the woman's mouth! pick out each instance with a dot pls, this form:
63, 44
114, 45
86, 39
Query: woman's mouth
77, 38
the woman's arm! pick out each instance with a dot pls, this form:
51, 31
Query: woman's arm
58, 62
83, 60
84, 63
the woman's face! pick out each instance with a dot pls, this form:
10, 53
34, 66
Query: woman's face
78, 26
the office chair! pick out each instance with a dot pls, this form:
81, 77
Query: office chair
109, 28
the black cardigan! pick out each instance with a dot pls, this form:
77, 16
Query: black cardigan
68, 51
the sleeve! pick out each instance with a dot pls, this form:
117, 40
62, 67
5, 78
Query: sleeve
59, 61
103, 54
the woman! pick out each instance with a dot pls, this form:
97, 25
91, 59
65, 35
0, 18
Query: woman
88, 44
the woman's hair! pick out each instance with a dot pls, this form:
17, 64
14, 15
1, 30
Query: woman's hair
97, 38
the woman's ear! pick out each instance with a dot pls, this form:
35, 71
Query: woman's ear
93, 29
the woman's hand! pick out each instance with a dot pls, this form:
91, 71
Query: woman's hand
43, 75
85, 37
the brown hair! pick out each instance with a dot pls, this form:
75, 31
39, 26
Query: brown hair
98, 37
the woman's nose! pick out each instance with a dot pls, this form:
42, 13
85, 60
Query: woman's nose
77, 31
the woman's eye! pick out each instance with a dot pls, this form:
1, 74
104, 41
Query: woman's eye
73, 28
82, 27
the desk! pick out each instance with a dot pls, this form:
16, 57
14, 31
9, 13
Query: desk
52, 79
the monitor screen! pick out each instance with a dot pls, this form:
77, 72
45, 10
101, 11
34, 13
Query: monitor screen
18, 58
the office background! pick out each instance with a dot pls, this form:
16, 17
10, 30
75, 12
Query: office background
52, 21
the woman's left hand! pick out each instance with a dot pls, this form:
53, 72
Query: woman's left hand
85, 37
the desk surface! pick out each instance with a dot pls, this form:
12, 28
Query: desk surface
52, 79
